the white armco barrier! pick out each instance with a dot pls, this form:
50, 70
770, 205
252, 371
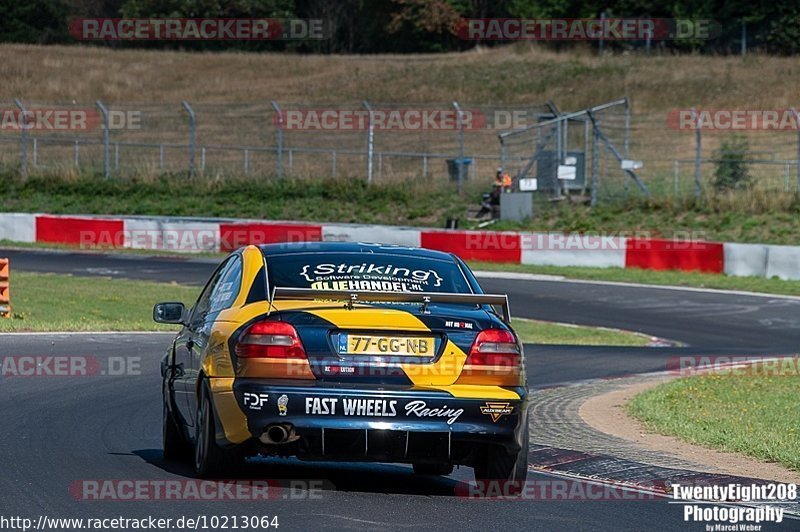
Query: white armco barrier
18, 227
783, 262
558, 249
215, 234
745, 260
401, 236
171, 235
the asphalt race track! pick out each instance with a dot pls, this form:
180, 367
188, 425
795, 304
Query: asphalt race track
58, 431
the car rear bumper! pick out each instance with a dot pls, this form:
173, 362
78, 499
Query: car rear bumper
347, 422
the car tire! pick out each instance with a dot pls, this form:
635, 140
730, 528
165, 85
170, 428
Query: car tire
211, 460
172, 440
511, 469
433, 469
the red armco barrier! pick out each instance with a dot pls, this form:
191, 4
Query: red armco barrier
233, 236
85, 232
490, 246
657, 254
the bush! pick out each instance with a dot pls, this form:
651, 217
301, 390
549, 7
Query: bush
733, 166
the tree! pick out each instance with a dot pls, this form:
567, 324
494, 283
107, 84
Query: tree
33, 21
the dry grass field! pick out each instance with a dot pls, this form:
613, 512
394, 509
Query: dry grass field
508, 75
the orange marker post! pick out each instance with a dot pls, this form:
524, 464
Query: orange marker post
5, 297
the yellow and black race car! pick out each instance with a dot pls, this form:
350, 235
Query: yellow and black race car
349, 352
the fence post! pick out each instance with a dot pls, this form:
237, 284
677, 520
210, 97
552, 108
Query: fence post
595, 164
35, 153
106, 160
698, 150
192, 136
370, 139
744, 39
557, 161
627, 140
23, 137
676, 172
75, 155
280, 124
797, 123
460, 163
585, 153
503, 154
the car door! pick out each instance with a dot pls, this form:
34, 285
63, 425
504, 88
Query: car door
184, 383
219, 295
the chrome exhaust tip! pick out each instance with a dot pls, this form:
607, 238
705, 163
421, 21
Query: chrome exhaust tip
277, 434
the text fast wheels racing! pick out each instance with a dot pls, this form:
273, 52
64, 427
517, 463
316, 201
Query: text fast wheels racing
351, 352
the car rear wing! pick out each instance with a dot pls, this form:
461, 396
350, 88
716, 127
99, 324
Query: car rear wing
350, 297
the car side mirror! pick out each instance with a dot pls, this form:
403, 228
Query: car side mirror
169, 313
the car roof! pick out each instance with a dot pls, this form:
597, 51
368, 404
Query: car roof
352, 247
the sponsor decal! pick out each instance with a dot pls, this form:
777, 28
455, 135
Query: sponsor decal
327, 406
338, 370
254, 401
458, 324
420, 409
283, 402
370, 277
321, 406
369, 407
332, 406
496, 410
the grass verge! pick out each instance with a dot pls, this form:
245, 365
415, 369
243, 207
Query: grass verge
350, 200
54, 302
741, 217
51, 302
753, 414
653, 277
546, 332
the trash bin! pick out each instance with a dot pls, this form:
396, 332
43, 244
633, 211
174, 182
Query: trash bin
453, 166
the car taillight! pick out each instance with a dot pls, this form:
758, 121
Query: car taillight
270, 339
494, 347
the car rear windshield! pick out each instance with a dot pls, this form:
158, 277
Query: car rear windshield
369, 272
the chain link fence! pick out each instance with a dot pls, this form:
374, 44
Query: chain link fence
599, 154
371, 140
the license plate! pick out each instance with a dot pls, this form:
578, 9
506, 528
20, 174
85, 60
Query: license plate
366, 344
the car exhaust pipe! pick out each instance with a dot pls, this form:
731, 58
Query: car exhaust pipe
278, 434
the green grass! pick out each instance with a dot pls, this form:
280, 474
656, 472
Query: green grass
654, 277
545, 332
752, 217
50, 302
342, 199
54, 302
756, 414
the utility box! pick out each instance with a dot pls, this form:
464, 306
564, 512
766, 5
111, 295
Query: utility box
548, 170
516, 206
